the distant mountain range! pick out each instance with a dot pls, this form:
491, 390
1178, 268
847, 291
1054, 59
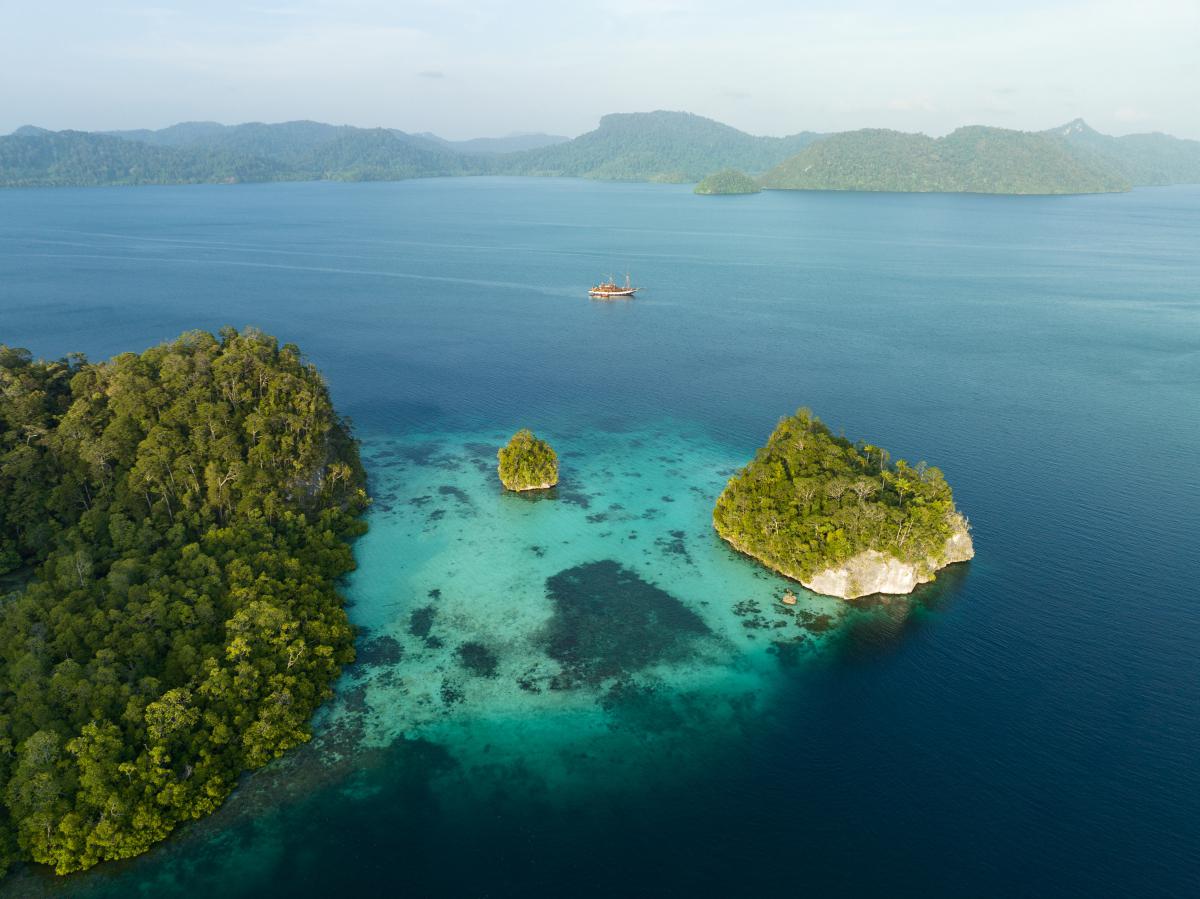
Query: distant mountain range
654, 146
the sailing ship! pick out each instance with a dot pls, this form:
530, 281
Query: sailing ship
610, 289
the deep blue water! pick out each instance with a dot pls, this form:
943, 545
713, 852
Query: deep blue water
1030, 727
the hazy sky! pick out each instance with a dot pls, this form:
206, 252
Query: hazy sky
464, 68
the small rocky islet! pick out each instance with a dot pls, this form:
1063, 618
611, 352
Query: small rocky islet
527, 463
840, 517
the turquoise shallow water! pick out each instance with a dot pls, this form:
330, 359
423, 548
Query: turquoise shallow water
586, 692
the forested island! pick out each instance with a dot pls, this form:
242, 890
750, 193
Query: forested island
841, 517
727, 181
974, 160
173, 524
527, 463
660, 146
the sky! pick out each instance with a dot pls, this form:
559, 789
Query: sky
468, 68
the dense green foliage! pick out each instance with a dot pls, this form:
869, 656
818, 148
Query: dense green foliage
1141, 158
36, 158
527, 463
180, 517
654, 146
727, 181
978, 160
291, 151
657, 146
811, 500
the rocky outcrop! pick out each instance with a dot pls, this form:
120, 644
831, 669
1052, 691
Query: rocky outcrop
518, 487
875, 572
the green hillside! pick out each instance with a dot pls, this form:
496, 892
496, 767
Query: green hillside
1144, 159
974, 159
292, 151
37, 158
379, 155
656, 146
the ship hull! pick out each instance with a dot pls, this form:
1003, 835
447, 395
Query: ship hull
611, 294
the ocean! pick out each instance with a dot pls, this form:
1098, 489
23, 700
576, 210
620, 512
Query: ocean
1027, 725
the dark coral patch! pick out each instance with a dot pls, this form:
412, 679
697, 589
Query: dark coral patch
477, 659
420, 622
420, 453
608, 622
457, 493
452, 693
379, 651
789, 653
813, 622
572, 495
675, 546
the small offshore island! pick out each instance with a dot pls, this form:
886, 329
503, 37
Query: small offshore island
527, 463
839, 517
727, 182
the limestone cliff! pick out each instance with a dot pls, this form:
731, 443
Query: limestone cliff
875, 572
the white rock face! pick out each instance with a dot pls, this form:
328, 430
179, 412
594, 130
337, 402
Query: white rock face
543, 486
875, 572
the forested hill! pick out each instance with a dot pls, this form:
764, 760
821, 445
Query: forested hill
657, 146
202, 152
33, 157
651, 146
975, 159
1141, 158
180, 518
